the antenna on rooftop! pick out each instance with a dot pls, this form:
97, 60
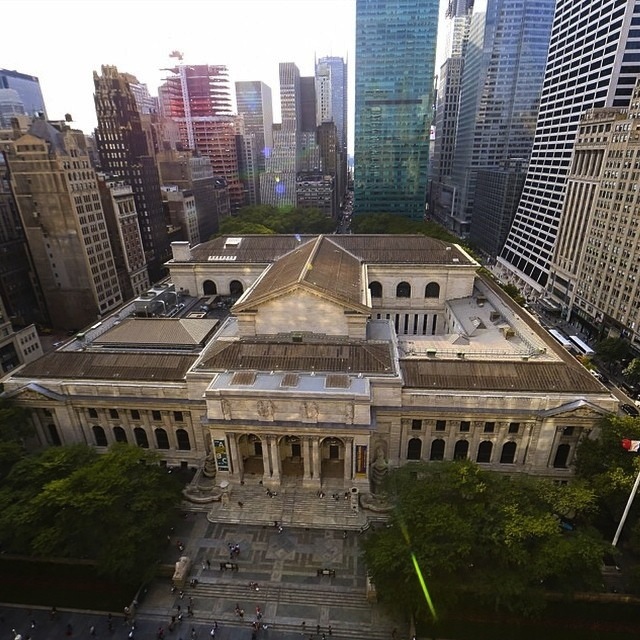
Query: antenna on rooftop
177, 54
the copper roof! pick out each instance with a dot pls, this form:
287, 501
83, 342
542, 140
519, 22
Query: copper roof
375, 249
338, 357
109, 366
165, 332
538, 377
317, 264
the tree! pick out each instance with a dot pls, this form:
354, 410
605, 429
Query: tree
71, 502
266, 219
632, 371
611, 350
513, 292
379, 223
609, 469
15, 429
478, 535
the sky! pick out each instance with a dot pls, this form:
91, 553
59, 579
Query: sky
67, 40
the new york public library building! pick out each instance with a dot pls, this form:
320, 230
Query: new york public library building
332, 352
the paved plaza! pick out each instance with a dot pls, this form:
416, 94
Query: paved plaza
294, 597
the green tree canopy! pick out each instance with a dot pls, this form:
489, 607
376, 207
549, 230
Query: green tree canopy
74, 503
477, 534
15, 429
265, 219
632, 371
379, 223
612, 350
610, 469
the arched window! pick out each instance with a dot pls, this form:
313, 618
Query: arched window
432, 290
562, 455
209, 288
141, 437
508, 454
403, 290
183, 440
437, 450
376, 290
235, 288
414, 449
461, 450
484, 451
99, 436
162, 440
119, 434
54, 435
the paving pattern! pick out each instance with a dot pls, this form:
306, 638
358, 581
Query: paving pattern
317, 534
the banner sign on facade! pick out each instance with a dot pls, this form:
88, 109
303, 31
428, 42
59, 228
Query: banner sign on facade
222, 459
361, 460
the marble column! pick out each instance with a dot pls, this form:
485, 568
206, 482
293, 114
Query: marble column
348, 460
306, 459
276, 465
266, 467
317, 468
237, 466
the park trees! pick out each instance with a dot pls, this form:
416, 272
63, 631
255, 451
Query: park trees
479, 535
266, 219
72, 502
15, 430
612, 350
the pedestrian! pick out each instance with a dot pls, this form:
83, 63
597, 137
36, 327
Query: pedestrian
69, 629
394, 633
240, 504
193, 633
181, 594
189, 611
304, 627
318, 629
330, 630
324, 637
344, 534
180, 617
179, 608
53, 614
212, 633
275, 523
92, 630
204, 565
33, 624
191, 600
280, 529
208, 563
131, 634
215, 625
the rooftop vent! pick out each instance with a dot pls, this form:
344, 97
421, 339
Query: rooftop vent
232, 243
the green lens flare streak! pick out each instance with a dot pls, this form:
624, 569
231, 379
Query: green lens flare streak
423, 584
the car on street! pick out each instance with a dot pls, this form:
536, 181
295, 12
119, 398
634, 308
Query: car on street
630, 410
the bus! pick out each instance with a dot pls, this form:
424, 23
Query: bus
584, 348
563, 340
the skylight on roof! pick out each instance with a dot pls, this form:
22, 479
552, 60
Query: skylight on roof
232, 243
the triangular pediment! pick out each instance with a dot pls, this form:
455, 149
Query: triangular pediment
577, 409
33, 392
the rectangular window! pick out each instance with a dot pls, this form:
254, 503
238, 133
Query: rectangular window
113, 413
135, 414
441, 425
156, 415
489, 427
93, 413
514, 427
177, 416
465, 425
416, 425
568, 431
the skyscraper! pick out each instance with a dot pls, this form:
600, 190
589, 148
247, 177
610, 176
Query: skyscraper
256, 108
500, 89
331, 106
395, 57
28, 88
124, 152
593, 62
65, 226
198, 98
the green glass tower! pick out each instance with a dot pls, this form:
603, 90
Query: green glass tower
395, 58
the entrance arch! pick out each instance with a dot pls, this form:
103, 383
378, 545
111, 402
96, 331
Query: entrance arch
332, 458
250, 450
291, 455
209, 288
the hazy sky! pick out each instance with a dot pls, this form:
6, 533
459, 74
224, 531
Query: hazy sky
64, 41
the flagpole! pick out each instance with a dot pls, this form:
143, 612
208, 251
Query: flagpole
632, 495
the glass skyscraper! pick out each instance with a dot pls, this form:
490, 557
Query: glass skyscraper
395, 58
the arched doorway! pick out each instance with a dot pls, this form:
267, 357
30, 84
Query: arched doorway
209, 288
235, 289
291, 455
332, 458
250, 450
